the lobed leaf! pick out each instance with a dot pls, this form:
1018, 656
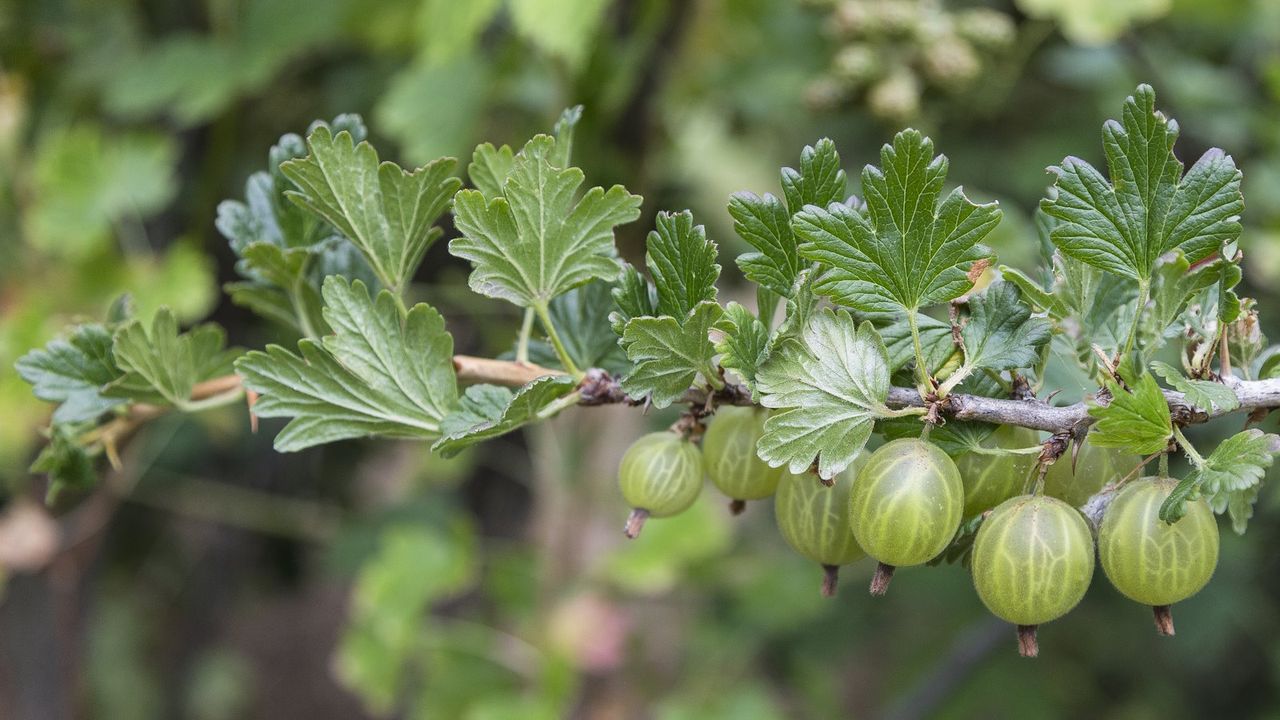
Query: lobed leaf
1137, 420
71, 372
682, 263
1001, 333
487, 411
1229, 478
669, 353
744, 344
1204, 394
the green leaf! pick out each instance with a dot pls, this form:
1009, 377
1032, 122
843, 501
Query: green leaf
65, 462
1149, 207
802, 303
955, 438
1229, 478
682, 262
634, 296
487, 411
71, 372
907, 250
378, 374
669, 353
535, 242
385, 211
491, 166
765, 222
1136, 421
826, 391
744, 343
162, 365
1001, 333
1204, 394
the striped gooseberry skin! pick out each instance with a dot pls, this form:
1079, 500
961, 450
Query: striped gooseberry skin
1148, 560
729, 454
1032, 559
906, 502
661, 473
991, 479
814, 519
1094, 467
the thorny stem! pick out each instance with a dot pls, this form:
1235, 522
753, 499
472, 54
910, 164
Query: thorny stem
545, 317
522, 342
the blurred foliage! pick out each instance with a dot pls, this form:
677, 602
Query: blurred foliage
496, 585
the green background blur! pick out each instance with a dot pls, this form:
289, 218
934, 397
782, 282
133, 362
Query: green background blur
213, 579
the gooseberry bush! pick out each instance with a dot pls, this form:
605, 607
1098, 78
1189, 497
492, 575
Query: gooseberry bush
891, 384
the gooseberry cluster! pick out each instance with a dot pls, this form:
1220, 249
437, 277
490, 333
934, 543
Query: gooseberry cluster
905, 503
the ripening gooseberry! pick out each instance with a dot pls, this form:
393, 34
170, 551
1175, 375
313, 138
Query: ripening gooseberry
1032, 562
729, 455
1153, 562
814, 520
905, 506
660, 476
1094, 467
991, 479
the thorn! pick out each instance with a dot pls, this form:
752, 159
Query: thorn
251, 397
880, 580
635, 523
1028, 646
1164, 619
830, 578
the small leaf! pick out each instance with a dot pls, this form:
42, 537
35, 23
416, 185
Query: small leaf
489, 169
1149, 207
386, 211
765, 222
487, 411
935, 339
72, 372
378, 374
162, 365
535, 242
1136, 421
634, 296
827, 392
669, 354
744, 345
65, 462
1229, 478
682, 262
1204, 394
582, 316
907, 250
1001, 333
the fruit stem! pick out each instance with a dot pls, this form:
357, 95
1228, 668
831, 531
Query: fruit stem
1164, 619
880, 580
830, 577
635, 523
1028, 646
737, 506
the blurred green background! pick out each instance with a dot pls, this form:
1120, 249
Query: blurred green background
211, 578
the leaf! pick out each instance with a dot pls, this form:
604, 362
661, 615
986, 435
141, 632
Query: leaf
487, 411
1136, 421
65, 461
1204, 394
634, 296
682, 262
1229, 478
71, 372
744, 343
669, 353
1149, 207
765, 222
906, 250
385, 211
955, 438
534, 242
378, 374
161, 365
491, 166
827, 392
1001, 333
